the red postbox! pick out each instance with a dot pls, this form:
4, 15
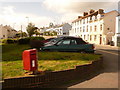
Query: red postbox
30, 60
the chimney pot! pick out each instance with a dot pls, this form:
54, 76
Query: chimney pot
79, 17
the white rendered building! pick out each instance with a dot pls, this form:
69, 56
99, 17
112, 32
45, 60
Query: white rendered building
116, 38
95, 27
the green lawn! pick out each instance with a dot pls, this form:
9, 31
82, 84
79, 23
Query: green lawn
47, 61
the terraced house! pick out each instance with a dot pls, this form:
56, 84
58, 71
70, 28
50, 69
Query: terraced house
95, 26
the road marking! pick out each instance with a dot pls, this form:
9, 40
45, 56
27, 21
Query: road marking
108, 52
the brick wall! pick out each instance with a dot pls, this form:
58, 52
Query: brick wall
52, 79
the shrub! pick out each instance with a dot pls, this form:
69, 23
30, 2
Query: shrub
29, 39
24, 41
37, 38
4, 41
9, 41
36, 44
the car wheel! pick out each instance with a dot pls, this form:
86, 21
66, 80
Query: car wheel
82, 52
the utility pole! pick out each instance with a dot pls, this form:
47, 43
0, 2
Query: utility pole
21, 31
27, 20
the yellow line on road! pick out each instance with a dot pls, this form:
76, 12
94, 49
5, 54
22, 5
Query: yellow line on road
108, 52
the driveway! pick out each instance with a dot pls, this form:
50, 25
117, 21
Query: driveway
108, 78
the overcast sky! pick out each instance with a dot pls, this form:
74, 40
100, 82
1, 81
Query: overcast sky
42, 12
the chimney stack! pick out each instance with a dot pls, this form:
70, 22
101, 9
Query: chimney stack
79, 17
100, 11
91, 11
85, 13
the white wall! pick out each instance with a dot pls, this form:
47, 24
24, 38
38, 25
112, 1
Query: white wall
117, 33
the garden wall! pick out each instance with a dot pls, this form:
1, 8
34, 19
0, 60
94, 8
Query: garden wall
52, 79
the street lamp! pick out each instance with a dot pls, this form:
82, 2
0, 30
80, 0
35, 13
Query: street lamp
27, 19
21, 31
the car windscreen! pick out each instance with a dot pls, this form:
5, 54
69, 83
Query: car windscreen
55, 40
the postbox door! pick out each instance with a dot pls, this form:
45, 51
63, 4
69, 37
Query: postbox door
33, 59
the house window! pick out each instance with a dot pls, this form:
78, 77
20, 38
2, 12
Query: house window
87, 29
83, 21
90, 37
101, 27
95, 37
84, 37
3, 35
87, 20
83, 28
95, 17
75, 30
95, 28
80, 29
81, 36
90, 28
64, 33
91, 18
108, 28
78, 23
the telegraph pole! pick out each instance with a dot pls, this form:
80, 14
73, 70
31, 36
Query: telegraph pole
21, 31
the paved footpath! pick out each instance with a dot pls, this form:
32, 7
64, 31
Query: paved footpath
109, 77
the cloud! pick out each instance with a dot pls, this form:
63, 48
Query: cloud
66, 6
8, 16
57, 5
70, 9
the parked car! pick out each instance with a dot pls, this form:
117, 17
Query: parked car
69, 44
47, 40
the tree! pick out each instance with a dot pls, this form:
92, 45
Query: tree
22, 34
51, 24
31, 29
36, 32
54, 33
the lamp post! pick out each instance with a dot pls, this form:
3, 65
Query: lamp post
27, 20
21, 31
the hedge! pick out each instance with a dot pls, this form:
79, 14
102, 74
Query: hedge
9, 41
27, 40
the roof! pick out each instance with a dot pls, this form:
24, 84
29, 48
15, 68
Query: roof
109, 12
94, 13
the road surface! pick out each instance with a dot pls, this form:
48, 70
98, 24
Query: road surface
109, 76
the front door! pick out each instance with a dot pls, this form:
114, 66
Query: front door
100, 39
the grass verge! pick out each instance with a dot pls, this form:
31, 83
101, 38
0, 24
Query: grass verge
47, 61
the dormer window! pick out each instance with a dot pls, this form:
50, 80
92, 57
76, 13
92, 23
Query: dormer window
102, 15
98, 16
93, 17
